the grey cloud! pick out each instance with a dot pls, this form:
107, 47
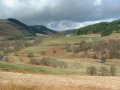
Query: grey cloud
60, 14
79, 10
110, 8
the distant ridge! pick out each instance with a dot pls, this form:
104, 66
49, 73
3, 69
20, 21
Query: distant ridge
14, 27
22, 25
43, 30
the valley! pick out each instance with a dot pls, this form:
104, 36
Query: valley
53, 60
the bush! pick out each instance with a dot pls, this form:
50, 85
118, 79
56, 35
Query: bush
4, 58
30, 54
54, 51
102, 60
68, 48
104, 71
92, 71
75, 48
113, 71
43, 52
50, 62
46, 61
35, 61
62, 64
77, 65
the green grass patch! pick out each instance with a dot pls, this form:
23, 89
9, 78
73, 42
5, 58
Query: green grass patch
35, 69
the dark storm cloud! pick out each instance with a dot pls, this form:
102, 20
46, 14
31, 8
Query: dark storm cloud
60, 14
72, 10
110, 8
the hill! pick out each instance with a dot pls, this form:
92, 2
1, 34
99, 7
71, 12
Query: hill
42, 30
9, 28
21, 25
103, 28
14, 27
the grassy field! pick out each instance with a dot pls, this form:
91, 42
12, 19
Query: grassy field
74, 67
19, 70
52, 41
53, 82
35, 69
45, 87
48, 45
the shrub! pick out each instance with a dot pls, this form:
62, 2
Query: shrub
30, 54
92, 71
35, 61
54, 51
102, 60
104, 71
68, 50
77, 65
43, 61
113, 71
62, 64
43, 52
4, 58
46, 61
75, 49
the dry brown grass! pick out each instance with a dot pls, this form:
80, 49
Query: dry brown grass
19, 81
9, 86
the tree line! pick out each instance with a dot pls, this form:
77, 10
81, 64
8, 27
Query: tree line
103, 28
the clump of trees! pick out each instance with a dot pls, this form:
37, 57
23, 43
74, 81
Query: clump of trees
103, 28
102, 50
46, 61
108, 49
4, 58
102, 71
14, 45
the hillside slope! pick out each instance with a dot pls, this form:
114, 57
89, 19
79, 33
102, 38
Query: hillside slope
43, 30
13, 27
103, 28
21, 26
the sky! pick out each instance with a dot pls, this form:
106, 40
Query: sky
60, 14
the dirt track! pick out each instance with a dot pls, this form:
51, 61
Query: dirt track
19, 78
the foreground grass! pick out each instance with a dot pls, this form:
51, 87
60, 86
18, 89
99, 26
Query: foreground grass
20, 81
35, 87
34, 69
